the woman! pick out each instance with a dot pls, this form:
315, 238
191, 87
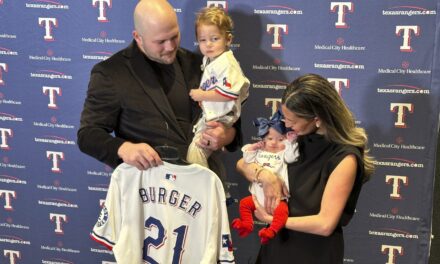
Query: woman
324, 183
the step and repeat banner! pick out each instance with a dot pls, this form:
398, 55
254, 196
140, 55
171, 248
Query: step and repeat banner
381, 56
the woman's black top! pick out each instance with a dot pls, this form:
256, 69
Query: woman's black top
307, 180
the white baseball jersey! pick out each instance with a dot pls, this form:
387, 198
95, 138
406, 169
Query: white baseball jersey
167, 214
225, 76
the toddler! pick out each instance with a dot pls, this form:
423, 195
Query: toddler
223, 87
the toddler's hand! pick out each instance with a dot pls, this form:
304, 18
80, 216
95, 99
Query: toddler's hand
196, 94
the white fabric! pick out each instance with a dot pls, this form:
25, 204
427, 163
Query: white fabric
226, 77
195, 153
165, 212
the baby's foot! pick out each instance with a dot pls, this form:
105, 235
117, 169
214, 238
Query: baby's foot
266, 234
243, 228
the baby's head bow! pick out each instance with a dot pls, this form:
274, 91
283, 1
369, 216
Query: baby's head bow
276, 122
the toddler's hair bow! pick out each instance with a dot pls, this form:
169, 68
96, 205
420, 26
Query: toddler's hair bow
276, 122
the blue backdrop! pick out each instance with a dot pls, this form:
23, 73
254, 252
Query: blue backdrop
382, 56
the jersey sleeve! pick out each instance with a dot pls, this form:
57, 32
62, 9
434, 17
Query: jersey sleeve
231, 80
225, 250
107, 229
219, 246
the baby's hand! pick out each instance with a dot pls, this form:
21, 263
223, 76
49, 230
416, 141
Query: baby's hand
256, 146
196, 94
291, 136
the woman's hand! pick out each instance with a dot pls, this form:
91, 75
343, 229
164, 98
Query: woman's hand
260, 213
273, 188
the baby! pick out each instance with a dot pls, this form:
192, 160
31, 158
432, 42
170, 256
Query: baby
277, 148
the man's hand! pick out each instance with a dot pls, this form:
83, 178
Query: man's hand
216, 136
140, 155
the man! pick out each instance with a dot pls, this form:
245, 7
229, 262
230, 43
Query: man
138, 99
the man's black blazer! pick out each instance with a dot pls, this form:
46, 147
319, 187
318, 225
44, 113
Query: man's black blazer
125, 98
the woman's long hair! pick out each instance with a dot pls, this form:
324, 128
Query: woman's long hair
311, 96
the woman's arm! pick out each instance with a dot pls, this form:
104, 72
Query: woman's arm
273, 187
336, 193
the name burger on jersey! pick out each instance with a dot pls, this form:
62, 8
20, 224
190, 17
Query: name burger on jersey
171, 197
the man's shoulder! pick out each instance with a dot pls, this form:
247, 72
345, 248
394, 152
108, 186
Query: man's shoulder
189, 60
187, 54
116, 60
122, 54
